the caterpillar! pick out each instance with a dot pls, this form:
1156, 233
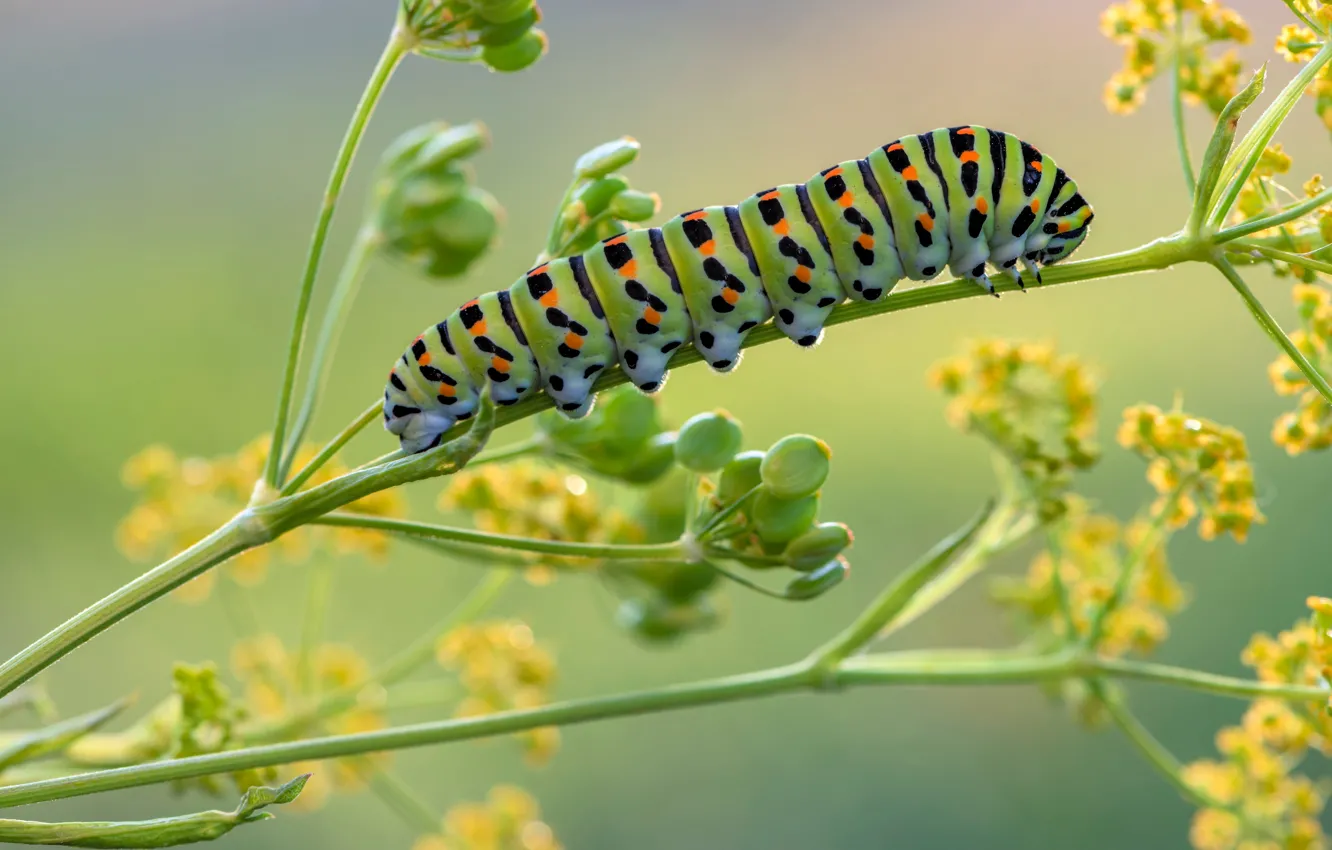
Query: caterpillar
959, 197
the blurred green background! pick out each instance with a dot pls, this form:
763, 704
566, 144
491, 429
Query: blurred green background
160, 164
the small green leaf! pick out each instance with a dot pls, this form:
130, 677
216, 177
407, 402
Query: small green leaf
1218, 149
54, 738
160, 832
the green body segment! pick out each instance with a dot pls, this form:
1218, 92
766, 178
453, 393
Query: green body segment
916, 199
796, 268
635, 279
720, 278
860, 233
566, 330
493, 347
961, 197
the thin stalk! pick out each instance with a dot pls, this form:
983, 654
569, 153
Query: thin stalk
563, 548
1197, 680
399, 44
232, 538
1151, 749
370, 414
523, 448
399, 797
1269, 324
1288, 257
335, 319
1177, 107
318, 594
1299, 13
1131, 564
1277, 218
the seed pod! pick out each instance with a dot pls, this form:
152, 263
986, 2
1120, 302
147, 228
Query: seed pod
817, 546
796, 466
685, 582
818, 582
658, 621
503, 11
708, 441
653, 460
739, 476
780, 521
596, 195
633, 205
498, 35
516, 55
605, 158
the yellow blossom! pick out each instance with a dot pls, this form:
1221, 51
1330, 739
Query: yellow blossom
509, 819
1309, 426
1296, 43
1125, 91
182, 500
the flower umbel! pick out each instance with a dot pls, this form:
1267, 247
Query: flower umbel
1309, 426
509, 819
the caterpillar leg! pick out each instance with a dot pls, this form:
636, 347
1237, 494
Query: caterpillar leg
1010, 270
977, 276
1029, 262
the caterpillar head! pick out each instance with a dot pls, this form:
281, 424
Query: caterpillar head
1064, 226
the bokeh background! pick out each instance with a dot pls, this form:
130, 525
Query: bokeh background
160, 164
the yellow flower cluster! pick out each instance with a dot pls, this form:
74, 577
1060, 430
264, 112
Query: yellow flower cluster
509, 819
1094, 550
1036, 407
527, 499
502, 667
1152, 32
1197, 467
1258, 802
1264, 195
184, 499
269, 677
1309, 426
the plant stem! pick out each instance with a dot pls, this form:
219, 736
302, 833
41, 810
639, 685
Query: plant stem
1177, 107
370, 414
564, 548
318, 593
943, 667
1277, 218
1269, 324
1298, 260
335, 319
232, 538
513, 451
1146, 743
398, 46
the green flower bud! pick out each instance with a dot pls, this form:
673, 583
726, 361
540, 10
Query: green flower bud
633, 205
605, 158
500, 34
658, 621
796, 466
503, 11
817, 546
819, 581
682, 582
779, 520
708, 441
739, 476
516, 55
662, 511
424, 208
652, 461
596, 195
628, 417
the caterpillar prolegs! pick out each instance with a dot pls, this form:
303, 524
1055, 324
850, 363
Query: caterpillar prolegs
962, 197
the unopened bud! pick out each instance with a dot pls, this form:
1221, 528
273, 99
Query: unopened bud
778, 520
819, 581
796, 466
500, 34
817, 546
518, 54
633, 205
708, 441
739, 476
606, 158
596, 195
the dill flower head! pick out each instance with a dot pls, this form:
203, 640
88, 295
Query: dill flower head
1309, 426
1197, 467
1037, 408
508, 819
502, 667
183, 499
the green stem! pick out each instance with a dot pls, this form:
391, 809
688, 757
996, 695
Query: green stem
1146, 743
1177, 106
335, 319
232, 538
370, 414
1299, 13
1277, 218
943, 667
564, 548
1288, 257
1269, 324
523, 448
403, 801
1129, 570
399, 44
318, 594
